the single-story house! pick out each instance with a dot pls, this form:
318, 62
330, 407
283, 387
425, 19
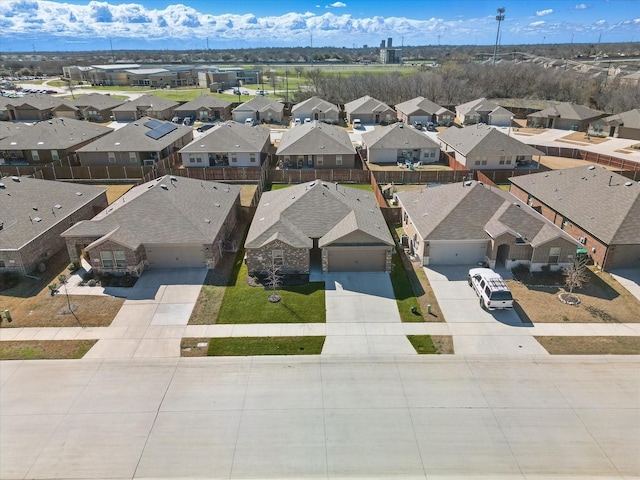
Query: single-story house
481, 147
259, 109
228, 144
564, 116
33, 107
316, 108
599, 208
94, 107
33, 214
142, 142
399, 143
48, 141
322, 225
420, 109
205, 108
621, 125
469, 223
484, 111
4, 108
145, 106
316, 145
630, 80
369, 110
169, 222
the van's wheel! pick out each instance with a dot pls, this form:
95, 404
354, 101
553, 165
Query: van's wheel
469, 281
482, 303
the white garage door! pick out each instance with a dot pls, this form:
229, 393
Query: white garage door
175, 256
357, 259
456, 253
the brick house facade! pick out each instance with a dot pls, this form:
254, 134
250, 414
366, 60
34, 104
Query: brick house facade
294, 260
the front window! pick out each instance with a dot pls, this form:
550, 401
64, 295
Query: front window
554, 254
278, 257
35, 155
107, 259
112, 157
252, 157
54, 155
338, 159
133, 158
319, 160
234, 158
120, 259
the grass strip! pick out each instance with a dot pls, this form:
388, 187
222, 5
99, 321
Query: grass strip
423, 344
559, 345
44, 349
403, 291
250, 346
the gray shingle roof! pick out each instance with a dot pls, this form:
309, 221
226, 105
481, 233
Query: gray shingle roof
8, 128
610, 212
54, 134
260, 104
38, 101
316, 209
132, 138
152, 214
314, 104
203, 101
365, 105
484, 140
145, 102
568, 111
629, 119
397, 136
459, 212
478, 105
315, 138
18, 199
97, 100
419, 104
230, 137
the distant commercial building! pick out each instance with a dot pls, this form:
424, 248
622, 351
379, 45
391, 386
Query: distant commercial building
228, 77
134, 74
388, 54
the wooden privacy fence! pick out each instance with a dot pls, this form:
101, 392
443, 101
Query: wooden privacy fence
593, 157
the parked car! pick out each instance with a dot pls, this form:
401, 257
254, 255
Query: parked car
205, 127
297, 122
417, 125
490, 287
431, 127
176, 120
245, 92
249, 121
236, 91
307, 120
356, 123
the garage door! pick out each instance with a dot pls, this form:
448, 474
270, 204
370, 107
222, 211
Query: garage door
456, 253
624, 256
175, 256
357, 259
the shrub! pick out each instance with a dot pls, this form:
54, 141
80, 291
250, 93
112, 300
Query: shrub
92, 282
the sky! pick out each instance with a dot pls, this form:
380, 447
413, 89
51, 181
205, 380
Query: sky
75, 25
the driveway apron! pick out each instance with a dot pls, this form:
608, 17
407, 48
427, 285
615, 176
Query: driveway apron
474, 329
355, 299
153, 319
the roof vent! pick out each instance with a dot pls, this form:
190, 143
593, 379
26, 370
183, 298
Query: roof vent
468, 184
217, 204
2, 185
162, 185
35, 209
626, 184
207, 220
79, 194
592, 167
15, 179
37, 219
172, 178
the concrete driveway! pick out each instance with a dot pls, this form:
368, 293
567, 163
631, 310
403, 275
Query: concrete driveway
353, 299
629, 278
152, 320
475, 330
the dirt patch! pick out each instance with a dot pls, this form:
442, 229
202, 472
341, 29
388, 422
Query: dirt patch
194, 347
559, 345
44, 349
395, 168
602, 300
584, 138
246, 194
443, 344
528, 130
114, 192
559, 163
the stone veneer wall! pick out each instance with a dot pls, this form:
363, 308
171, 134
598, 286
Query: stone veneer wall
296, 260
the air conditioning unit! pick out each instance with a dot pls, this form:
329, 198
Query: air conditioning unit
582, 240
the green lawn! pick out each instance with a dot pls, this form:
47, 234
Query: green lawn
245, 304
423, 344
248, 346
403, 291
121, 88
44, 349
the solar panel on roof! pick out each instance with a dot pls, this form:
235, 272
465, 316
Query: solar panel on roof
161, 130
152, 123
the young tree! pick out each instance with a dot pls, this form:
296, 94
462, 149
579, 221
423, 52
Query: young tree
576, 274
274, 280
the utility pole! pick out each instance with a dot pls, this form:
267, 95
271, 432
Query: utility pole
499, 18
113, 56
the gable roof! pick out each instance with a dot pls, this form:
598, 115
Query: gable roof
314, 103
596, 199
37, 101
568, 111
315, 138
147, 102
397, 136
471, 211
203, 101
9, 128
53, 134
132, 137
163, 211
54, 202
629, 119
230, 137
420, 104
484, 140
300, 213
260, 104
365, 104
478, 105
97, 100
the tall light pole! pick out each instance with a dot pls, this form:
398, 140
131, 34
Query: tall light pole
499, 18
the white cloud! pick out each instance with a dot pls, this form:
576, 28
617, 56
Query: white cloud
336, 5
601, 22
537, 24
542, 13
581, 6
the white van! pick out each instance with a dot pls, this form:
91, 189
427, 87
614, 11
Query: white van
356, 123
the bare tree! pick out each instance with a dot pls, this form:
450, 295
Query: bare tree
274, 280
576, 275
